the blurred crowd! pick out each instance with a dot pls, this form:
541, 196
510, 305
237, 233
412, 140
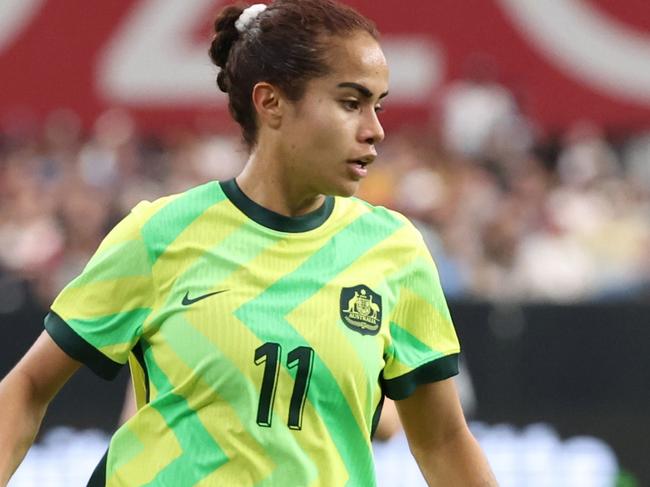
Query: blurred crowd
534, 456
509, 212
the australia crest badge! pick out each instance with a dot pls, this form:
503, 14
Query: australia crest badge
360, 309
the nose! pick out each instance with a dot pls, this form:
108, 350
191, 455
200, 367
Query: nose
371, 132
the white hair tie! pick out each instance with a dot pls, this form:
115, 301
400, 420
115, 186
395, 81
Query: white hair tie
248, 15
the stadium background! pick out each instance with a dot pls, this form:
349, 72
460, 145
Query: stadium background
518, 140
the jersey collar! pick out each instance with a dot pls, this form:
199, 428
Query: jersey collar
273, 220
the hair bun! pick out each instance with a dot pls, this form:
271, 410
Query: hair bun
226, 34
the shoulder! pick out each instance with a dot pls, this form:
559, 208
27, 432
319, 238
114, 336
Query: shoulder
177, 208
160, 221
381, 217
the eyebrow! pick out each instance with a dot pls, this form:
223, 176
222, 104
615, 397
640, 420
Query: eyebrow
365, 92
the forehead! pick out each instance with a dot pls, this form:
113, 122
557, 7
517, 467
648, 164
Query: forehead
358, 58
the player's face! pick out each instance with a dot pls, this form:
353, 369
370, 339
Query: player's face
330, 135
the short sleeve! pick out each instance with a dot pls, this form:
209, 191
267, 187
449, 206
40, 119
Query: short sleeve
424, 347
98, 317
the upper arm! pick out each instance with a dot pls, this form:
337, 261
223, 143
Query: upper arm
98, 317
423, 345
431, 415
46, 367
389, 423
442, 444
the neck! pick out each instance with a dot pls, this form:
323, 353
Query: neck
269, 183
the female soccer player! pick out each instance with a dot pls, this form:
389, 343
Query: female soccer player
265, 317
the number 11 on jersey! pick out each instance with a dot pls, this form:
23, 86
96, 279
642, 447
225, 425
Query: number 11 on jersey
269, 354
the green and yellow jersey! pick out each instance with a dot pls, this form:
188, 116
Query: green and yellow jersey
261, 346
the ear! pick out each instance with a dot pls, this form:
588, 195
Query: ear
269, 104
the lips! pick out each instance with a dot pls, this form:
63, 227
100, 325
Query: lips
358, 166
358, 163
364, 160
358, 169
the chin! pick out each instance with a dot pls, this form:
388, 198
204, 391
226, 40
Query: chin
345, 189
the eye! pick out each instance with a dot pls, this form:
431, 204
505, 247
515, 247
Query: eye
351, 105
379, 109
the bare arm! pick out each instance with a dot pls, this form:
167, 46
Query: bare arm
129, 407
389, 424
444, 448
24, 396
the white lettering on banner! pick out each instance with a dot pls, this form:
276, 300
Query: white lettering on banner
151, 61
417, 67
587, 45
15, 15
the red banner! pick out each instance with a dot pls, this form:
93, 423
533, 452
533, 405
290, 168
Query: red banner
565, 60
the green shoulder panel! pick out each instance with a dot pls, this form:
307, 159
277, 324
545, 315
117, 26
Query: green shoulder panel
164, 226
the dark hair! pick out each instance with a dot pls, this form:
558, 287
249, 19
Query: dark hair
286, 45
